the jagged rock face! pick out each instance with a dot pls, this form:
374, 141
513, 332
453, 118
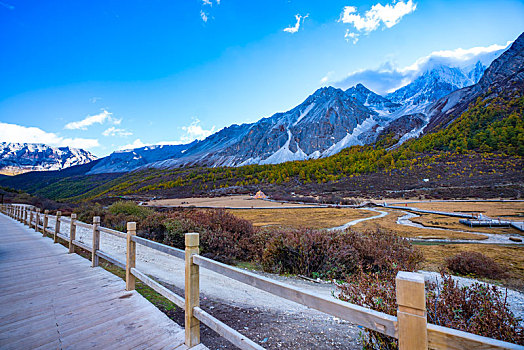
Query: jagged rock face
504, 75
127, 160
309, 130
436, 83
402, 126
368, 98
18, 158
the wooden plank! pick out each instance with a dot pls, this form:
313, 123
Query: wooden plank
447, 338
112, 232
192, 290
83, 224
178, 253
411, 311
160, 289
111, 259
130, 255
82, 245
234, 337
370, 319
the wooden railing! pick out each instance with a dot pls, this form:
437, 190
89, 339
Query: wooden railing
410, 326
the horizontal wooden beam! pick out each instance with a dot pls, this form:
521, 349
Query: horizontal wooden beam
178, 253
112, 260
225, 331
112, 232
83, 224
448, 338
82, 245
367, 318
160, 289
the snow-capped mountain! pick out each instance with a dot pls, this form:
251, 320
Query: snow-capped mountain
18, 158
127, 160
504, 76
326, 122
436, 83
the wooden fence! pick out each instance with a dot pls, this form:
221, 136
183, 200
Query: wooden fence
410, 326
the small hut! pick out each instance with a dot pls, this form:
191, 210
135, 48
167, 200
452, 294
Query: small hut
260, 195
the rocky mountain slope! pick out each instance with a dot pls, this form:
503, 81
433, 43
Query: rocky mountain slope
504, 76
328, 121
16, 158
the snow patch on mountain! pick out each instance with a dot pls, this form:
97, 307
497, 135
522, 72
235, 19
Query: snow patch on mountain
23, 157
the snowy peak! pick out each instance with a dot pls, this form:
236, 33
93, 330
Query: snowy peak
18, 158
436, 83
368, 98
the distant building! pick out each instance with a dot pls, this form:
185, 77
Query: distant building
260, 195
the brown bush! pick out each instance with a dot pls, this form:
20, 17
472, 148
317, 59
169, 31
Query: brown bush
334, 254
477, 309
474, 263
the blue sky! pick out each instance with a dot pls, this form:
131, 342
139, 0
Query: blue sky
108, 74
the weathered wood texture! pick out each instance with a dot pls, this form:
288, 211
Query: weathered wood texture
366, 317
50, 299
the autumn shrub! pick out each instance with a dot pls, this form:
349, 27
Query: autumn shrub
309, 252
474, 263
478, 308
334, 254
130, 208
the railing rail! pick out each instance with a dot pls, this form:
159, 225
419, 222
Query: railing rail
410, 326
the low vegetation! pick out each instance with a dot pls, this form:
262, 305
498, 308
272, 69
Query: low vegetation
476, 264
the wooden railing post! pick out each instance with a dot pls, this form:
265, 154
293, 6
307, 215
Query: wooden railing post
411, 311
130, 256
30, 218
57, 226
96, 241
37, 219
192, 290
46, 218
24, 217
72, 234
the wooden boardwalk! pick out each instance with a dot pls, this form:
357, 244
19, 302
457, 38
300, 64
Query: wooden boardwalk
50, 299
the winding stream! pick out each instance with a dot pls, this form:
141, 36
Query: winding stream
354, 222
492, 238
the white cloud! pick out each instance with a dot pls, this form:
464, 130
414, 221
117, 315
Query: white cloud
112, 131
389, 77
351, 36
100, 118
203, 15
389, 15
296, 27
135, 144
22, 134
325, 79
193, 131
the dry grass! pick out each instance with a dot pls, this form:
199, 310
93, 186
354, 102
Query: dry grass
222, 202
492, 209
511, 258
316, 218
389, 222
452, 223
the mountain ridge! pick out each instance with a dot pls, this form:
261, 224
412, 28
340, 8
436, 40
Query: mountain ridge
16, 158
